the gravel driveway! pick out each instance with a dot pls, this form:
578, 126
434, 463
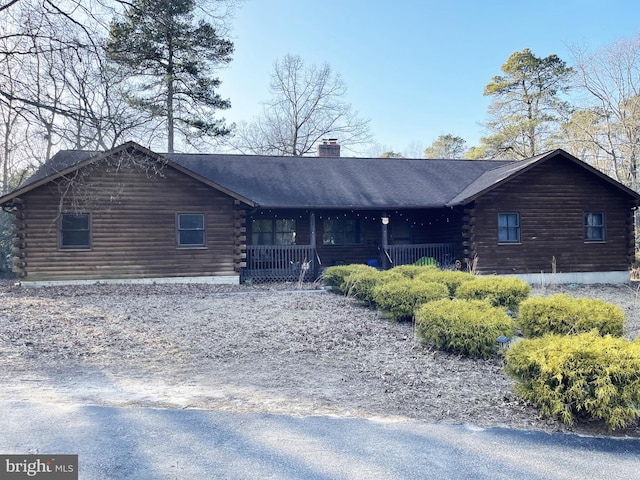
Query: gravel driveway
265, 349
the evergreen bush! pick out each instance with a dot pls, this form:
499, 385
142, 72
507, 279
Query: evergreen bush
451, 278
411, 271
579, 376
399, 298
564, 315
467, 327
505, 292
335, 276
360, 284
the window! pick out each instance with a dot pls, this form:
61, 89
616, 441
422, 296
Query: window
401, 233
75, 232
273, 231
342, 231
594, 227
191, 230
509, 227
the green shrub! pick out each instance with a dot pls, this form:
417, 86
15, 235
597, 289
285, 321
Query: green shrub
563, 315
336, 275
467, 327
505, 292
579, 376
399, 298
410, 271
451, 278
360, 284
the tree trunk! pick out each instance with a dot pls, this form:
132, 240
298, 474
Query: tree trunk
170, 91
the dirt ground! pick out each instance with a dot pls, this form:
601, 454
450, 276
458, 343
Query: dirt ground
268, 349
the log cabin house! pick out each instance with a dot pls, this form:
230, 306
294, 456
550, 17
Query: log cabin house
133, 215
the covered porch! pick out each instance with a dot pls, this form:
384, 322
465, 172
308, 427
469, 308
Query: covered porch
298, 245
286, 263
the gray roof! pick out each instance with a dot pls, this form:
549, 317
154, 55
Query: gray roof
60, 162
326, 182
304, 182
492, 178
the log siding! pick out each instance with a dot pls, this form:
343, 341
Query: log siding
133, 228
551, 203
133, 198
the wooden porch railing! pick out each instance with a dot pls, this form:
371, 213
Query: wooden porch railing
278, 263
408, 254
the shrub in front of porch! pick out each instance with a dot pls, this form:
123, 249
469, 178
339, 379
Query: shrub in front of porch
361, 284
451, 278
579, 376
565, 315
505, 292
399, 298
412, 271
466, 327
335, 276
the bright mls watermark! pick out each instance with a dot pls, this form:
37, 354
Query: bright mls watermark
49, 467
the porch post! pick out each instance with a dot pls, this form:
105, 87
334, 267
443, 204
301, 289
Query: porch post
312, 242
385, 241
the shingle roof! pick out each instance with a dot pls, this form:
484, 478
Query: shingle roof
61, 161
492, 178
302, 182
327, 182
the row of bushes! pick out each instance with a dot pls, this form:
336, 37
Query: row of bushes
424, 292
590, 373
573, 365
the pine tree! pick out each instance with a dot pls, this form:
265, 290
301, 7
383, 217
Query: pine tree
527, 101
170, 57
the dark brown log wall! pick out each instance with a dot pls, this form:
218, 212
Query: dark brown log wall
133, 227
551, 199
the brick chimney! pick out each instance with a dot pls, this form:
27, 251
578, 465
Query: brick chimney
329, 148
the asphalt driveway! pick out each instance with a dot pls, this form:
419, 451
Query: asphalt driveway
143, 443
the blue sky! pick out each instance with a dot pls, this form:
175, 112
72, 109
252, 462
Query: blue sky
415, 69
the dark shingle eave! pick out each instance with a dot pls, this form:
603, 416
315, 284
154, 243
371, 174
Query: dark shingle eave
356, 183
95, 156
212, 184
237, 177
349, 206
30, 185
86, 158
493, 178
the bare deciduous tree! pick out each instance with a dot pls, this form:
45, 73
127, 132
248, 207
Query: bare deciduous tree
610, 80
308, 104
